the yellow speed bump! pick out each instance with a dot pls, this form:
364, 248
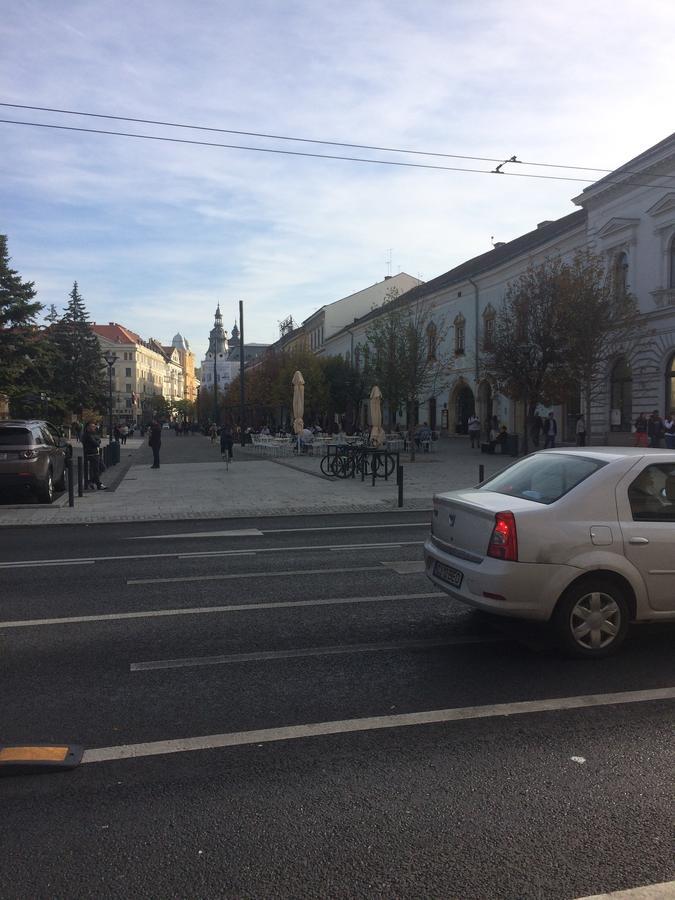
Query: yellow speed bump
24, 759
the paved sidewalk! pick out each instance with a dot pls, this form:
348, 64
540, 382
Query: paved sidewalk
193, 483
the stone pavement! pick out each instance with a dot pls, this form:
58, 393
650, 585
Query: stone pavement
193, 483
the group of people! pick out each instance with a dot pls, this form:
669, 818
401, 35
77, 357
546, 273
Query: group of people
651, 430
497, 435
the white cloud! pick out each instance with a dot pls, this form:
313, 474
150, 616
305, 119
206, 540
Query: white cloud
157, 233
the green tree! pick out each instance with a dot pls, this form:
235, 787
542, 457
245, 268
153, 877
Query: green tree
527, 354
406, 354
161, 407
600, 320
184, 408
18, 330
81, 376
346, 386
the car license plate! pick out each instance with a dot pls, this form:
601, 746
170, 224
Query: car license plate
446, 573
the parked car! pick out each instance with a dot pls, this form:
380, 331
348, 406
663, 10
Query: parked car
32, 455
584, 538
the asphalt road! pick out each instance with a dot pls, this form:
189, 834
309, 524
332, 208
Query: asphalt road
240, 633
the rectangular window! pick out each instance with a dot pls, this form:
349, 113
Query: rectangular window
127, 388
128, 373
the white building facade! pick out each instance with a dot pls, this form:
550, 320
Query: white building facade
627, 217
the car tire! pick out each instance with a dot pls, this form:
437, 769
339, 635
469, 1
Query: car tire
45, 490
60, 485
591, 618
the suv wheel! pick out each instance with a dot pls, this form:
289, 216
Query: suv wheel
45, 491
591, 618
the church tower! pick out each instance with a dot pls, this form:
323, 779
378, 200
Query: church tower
215, 366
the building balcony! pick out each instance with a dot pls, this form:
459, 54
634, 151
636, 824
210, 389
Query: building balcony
664, 297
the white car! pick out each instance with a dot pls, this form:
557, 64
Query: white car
584, 538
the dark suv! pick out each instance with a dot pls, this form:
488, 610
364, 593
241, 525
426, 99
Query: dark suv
32, 454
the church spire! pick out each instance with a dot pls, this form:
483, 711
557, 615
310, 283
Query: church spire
217, 336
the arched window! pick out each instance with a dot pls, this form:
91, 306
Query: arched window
432, 341
621, 396
621, 273
670, 385
671, 264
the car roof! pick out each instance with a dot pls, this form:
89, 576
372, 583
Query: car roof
611, 454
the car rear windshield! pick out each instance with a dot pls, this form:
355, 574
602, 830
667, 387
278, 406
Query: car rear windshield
543, 477
14, 437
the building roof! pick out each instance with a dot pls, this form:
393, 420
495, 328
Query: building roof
362, 291
115, 333
501, 254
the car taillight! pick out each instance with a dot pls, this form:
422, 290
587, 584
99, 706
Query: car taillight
28, 454
504, 539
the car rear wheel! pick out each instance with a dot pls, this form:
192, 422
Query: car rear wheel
45, 490
591, 618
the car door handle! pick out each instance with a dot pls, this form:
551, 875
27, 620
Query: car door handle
638, 540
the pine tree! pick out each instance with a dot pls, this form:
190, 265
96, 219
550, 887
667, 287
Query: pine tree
80, 377
52, 316
18, 330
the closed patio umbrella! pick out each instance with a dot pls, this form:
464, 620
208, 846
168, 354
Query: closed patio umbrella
377, 435
298, 404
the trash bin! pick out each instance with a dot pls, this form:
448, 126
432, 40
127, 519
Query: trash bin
114, 453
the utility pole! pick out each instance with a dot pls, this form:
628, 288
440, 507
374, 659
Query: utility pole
242, 409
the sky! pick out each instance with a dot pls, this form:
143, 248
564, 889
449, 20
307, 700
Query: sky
157, 233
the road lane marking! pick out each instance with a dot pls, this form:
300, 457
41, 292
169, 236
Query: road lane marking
203, 610
410, 567
345, 649
242, 532
29, 563
274, 574
255, 532
663, 891
373, 723
199, 554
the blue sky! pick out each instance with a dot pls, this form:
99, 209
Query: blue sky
157, 233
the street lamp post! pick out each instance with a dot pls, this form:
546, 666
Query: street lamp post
215, 387
110, 358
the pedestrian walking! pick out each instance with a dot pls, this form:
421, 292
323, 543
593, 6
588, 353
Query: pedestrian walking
474, 431
550, 431
640, 431
92, 469
537, 427
155, 442
226, 442
581, 431
655, 430
213, 431
124, 433
669, 430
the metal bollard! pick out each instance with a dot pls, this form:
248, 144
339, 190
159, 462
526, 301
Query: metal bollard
399, 482
80, 476
373, 462
481, 473
71, 486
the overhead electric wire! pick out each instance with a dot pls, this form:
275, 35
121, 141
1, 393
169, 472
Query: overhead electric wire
281, 137
381, 162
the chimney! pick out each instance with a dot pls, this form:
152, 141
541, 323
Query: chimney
498, 244
387, 277
545, 222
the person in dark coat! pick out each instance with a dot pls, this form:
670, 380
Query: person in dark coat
226, 441
92, 469
155, 441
